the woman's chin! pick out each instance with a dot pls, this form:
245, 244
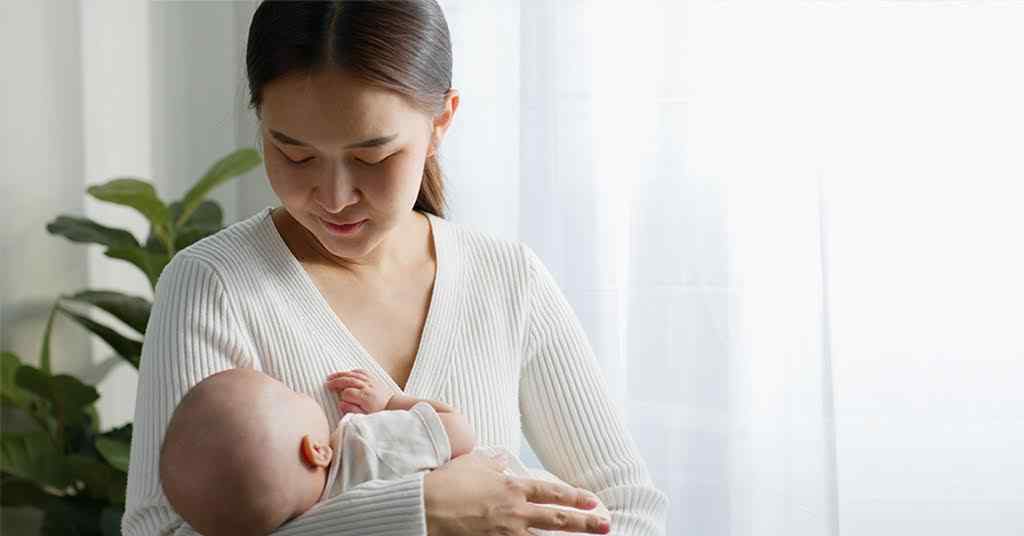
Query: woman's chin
344, 247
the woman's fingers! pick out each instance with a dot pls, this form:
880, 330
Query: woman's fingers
544, 492
547, 518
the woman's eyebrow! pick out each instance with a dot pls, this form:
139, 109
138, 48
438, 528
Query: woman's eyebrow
372, 142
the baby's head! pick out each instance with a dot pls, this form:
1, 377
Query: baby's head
243, 454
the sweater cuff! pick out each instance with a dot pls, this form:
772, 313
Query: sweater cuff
636, 511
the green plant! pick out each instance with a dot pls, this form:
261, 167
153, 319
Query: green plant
53, 457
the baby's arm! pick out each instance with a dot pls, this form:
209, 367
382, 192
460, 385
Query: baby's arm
460, 433
358, 392
404, 401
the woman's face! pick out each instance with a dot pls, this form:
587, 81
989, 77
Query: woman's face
339, 151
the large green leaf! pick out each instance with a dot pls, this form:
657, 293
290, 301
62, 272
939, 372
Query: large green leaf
114, 451
191, 236
10, 390
154, 244
35, 381
208, 215
132, 310
110, 521
32, 456
94, 418
152, 264
205, 221
67, 394
34, 416
74, 397
73, 516
121, 433
101, 480
134, 193
129, 349
88, 231
232, 165
18, 492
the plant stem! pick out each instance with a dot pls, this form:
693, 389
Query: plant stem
44, 354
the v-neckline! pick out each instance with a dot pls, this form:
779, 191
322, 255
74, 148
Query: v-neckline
435, 326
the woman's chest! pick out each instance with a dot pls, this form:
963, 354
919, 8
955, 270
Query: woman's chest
387, 321
455, 343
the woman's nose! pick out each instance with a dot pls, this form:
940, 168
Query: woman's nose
336, 191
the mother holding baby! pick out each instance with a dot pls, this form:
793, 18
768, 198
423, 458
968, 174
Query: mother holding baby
358, 269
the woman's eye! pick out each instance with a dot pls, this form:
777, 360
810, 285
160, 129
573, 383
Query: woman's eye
360, 161
297, 162
377, 162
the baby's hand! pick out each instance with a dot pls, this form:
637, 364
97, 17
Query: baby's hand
358, 392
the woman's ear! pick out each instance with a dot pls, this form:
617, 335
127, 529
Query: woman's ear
314, 453
441, 122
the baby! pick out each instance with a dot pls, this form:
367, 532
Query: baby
244, 454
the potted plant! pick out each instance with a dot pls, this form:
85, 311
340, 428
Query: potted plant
53, 456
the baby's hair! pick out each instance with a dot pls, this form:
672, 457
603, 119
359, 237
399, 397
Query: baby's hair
198, 458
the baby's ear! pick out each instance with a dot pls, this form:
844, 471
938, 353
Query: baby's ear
314, 453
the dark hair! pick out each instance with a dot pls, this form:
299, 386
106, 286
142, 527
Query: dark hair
399, 45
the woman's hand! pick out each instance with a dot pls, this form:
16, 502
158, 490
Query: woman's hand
358, 392
471, 496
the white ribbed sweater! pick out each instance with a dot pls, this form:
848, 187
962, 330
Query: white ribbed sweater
500, 343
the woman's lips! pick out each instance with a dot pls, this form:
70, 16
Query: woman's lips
343, 230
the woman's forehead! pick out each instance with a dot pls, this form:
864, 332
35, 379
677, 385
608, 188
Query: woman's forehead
332, 108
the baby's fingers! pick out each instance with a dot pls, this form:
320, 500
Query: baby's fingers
345, 407
354, 373
345, 382
353, 395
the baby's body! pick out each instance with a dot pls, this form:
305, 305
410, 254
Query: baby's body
228, 463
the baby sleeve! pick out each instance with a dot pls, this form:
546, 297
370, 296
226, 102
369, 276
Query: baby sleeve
390, 445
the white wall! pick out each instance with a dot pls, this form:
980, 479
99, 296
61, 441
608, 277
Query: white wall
40, 177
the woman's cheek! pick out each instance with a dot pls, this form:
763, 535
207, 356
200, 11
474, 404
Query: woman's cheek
287, 184
407, 176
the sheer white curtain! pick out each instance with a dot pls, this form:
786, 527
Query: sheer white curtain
628, 147
788, 229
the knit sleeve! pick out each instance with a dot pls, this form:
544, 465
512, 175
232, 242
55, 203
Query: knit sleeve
193, 333
569, 418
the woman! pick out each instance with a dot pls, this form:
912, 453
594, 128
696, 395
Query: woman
359, 269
